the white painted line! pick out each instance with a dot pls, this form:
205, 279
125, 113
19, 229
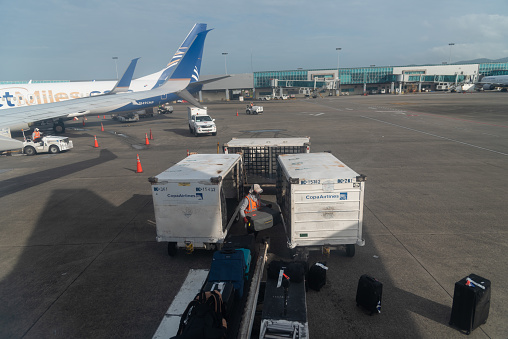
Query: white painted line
349, 109
190, 287
318, 114
438, 136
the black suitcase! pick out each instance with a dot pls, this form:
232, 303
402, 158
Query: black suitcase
227, 291
316, 277
471, 303
369, 293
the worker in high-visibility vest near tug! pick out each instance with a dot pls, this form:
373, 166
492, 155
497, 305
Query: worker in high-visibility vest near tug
251, 203
37, 136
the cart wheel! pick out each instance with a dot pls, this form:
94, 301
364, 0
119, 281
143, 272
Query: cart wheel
172, 249
350, 250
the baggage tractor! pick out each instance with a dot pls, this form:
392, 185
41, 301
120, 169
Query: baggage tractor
369, 293
228, 266
471, 303
264, 218
227, 291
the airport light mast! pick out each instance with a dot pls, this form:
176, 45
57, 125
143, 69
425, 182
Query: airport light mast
338, 49
225, 62
450, 57
226, 68
116, 66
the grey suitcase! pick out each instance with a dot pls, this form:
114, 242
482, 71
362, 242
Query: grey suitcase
264, 218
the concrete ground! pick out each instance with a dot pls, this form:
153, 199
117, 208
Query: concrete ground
78, 256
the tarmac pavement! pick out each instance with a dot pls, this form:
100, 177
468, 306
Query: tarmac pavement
78, 256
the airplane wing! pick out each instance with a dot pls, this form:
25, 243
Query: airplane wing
20, 117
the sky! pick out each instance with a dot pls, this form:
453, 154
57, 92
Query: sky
77, 40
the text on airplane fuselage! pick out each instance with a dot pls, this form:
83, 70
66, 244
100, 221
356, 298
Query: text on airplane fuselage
8, 99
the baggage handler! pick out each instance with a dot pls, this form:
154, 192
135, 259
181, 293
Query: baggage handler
251, 203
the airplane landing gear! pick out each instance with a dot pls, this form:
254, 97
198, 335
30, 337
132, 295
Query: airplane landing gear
59, 127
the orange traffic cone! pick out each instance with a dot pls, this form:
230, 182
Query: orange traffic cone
151, 136
187, 152
98, 117
236, 112
139, 169
96, 144
83, 121
146, 139
103, 117
102, 128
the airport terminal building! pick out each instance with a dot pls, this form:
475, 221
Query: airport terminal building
350, 81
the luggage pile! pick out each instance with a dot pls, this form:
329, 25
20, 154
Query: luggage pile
210, 312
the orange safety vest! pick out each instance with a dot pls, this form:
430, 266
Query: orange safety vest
253, 205
36, 135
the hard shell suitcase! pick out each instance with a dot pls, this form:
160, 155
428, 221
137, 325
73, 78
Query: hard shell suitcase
264, 218
369, 293
316, 277
248, 259
228, 266
471, 303
227, 291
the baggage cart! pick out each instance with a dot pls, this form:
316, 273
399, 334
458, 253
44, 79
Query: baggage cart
321, 201
260, 155
284, 311
195, 201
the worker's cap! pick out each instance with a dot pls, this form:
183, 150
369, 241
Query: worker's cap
37, 129
256, 188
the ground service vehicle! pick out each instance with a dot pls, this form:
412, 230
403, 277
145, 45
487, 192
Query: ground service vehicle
164, 109
200, 122
195, 201
260, 155
130, 117
49, 144
321, 201
254, 109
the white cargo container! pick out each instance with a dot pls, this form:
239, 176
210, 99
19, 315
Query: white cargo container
260, 155
321, 201
195, 200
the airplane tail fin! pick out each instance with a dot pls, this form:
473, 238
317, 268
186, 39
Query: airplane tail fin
189, 66
169, 69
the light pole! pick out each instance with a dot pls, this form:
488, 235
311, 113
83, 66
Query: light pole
338, 49
116, 66
226, 68
450, 57
225, 62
